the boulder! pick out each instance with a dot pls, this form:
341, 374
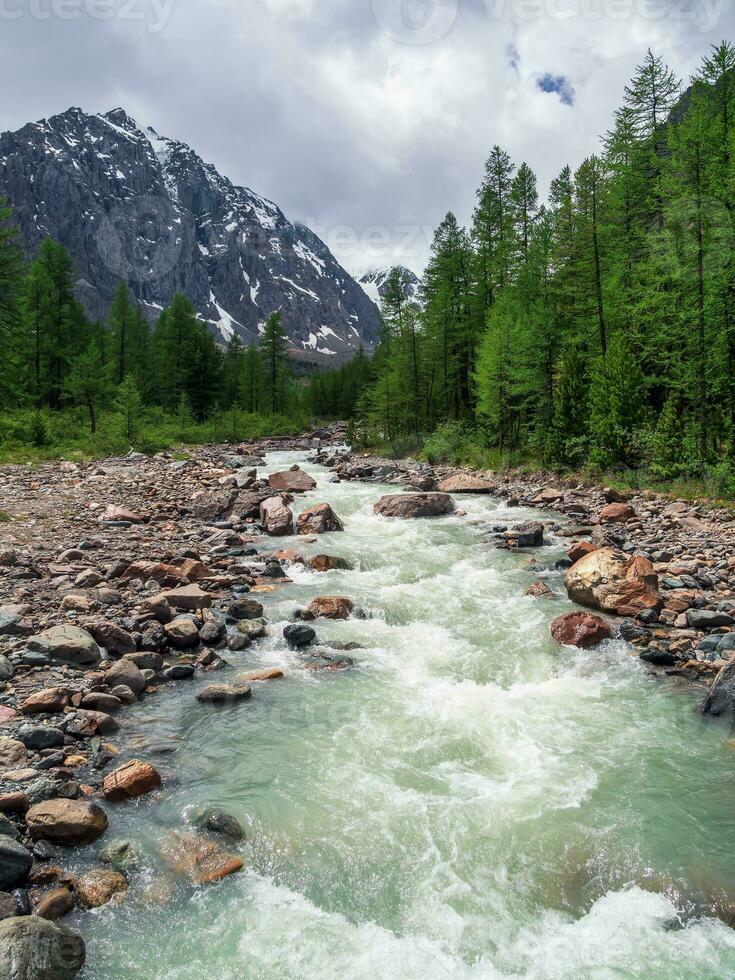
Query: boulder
32, 948
54, 904
127, 673
465, 483
298, 637
720, 699
182, 633
276, 517
529, 534
98, 886
200, 859
131, 780
708, 619
67, 645
580, 629
612, 582
617, 514
189, 598
318, 520
413, 505
49, 701
15, 863
327, 563
330, 607
225, 693
71, 822
244, 609
208, 505
294, 480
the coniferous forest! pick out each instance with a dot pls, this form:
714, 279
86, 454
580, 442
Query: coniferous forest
596, 329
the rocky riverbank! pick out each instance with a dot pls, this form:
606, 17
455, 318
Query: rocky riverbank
122, 578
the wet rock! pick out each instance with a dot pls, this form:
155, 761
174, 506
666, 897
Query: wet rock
213, 631
612, 582
276, 517
414, 505
8, 906
70, 822
329, 607
244, 608
298, 636
617, 514
327, 563
131, 780
99, 701
122, 855
32, 948
294, 480
225, 694
66, 645
529, 534
465, 483
15, 863
256, 676
182, 633
580, 630
218, 821
720, 699
200, 859
320, 519
97, 887
540, 590
54, 904
179, 672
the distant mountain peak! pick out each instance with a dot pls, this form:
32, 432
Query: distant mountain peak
374, 282
131, 204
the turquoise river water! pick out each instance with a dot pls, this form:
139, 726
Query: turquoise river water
470, 802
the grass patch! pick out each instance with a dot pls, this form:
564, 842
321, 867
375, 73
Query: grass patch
5, 517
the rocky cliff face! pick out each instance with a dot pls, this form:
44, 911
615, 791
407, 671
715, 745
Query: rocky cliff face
132, 205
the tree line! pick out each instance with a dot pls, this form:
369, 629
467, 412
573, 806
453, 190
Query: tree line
57, 360
598, 327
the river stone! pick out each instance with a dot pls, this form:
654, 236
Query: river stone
15, 863
529, 534
219, 822
580, 630
189, 598
8, 828
99, 886
612, 582
294, 480
466, 483
122, 855
413, 505
114, 639
299, 636
37, 737
327, 563
32, 948
127, 673
49, 701
6, 668
8, 906
182, 633
66, 645
330, 607
72, 822
201, 860
132, 779
13, 753
54, 904
276, 517
320, 519
225, 693
245, 609
708, 619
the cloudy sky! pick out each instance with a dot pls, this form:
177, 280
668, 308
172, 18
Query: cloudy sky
366, 119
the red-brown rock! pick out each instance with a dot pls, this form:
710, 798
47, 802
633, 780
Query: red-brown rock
580, 550
617, 514
612, 582
330, 607
465, 483
294, 480
580, 630
133, 779
318, 520
72, 822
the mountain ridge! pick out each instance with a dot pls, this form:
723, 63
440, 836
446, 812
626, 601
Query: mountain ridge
130, 204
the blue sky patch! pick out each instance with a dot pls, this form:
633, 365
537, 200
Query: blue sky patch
559, 84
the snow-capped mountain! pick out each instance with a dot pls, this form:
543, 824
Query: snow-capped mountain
373, 282
135, 206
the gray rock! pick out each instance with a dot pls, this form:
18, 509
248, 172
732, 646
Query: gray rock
8, 906
15, 863
39, 737
708, 619
127, 673
32, 948
298, 636
66, 645
721, 697
218, 821
6, 669
122, 855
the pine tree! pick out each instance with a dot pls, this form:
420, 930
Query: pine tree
87, 383
275, 364
616, 406
11, 273
128, 404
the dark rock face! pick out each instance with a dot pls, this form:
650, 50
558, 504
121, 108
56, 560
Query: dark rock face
721, 697
131, 205
15, 863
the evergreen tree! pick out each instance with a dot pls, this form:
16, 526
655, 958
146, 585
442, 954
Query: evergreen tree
275, 364
86, 382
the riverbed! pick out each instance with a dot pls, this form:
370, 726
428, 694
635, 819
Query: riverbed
470, 801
